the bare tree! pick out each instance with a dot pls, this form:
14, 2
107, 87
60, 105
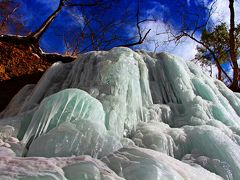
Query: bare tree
9, 17
33, 38
140, 36
196, 24
94, 34
37, 34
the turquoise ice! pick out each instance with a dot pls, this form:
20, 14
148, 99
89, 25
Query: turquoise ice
133, 111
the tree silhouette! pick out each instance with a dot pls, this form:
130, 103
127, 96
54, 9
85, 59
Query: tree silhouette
216, 52
95, 34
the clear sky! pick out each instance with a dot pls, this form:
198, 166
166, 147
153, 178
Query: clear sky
166, 12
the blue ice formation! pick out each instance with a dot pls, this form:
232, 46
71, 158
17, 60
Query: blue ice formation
143, 115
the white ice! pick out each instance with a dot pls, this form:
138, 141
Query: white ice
106, 100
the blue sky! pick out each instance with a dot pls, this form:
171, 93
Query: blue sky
36, 11
166, 12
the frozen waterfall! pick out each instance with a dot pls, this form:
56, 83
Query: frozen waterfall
121, 114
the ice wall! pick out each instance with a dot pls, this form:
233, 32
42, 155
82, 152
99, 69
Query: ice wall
118, 79
117, 105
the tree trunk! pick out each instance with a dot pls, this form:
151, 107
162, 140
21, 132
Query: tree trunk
233, 50
36, 35
219, 72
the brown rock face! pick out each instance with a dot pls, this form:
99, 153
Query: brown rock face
18, 66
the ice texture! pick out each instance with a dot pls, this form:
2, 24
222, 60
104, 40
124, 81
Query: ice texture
118, 80
145, 115
69, 122
65, 168
142, 164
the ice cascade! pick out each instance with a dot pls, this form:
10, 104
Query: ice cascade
121, 114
